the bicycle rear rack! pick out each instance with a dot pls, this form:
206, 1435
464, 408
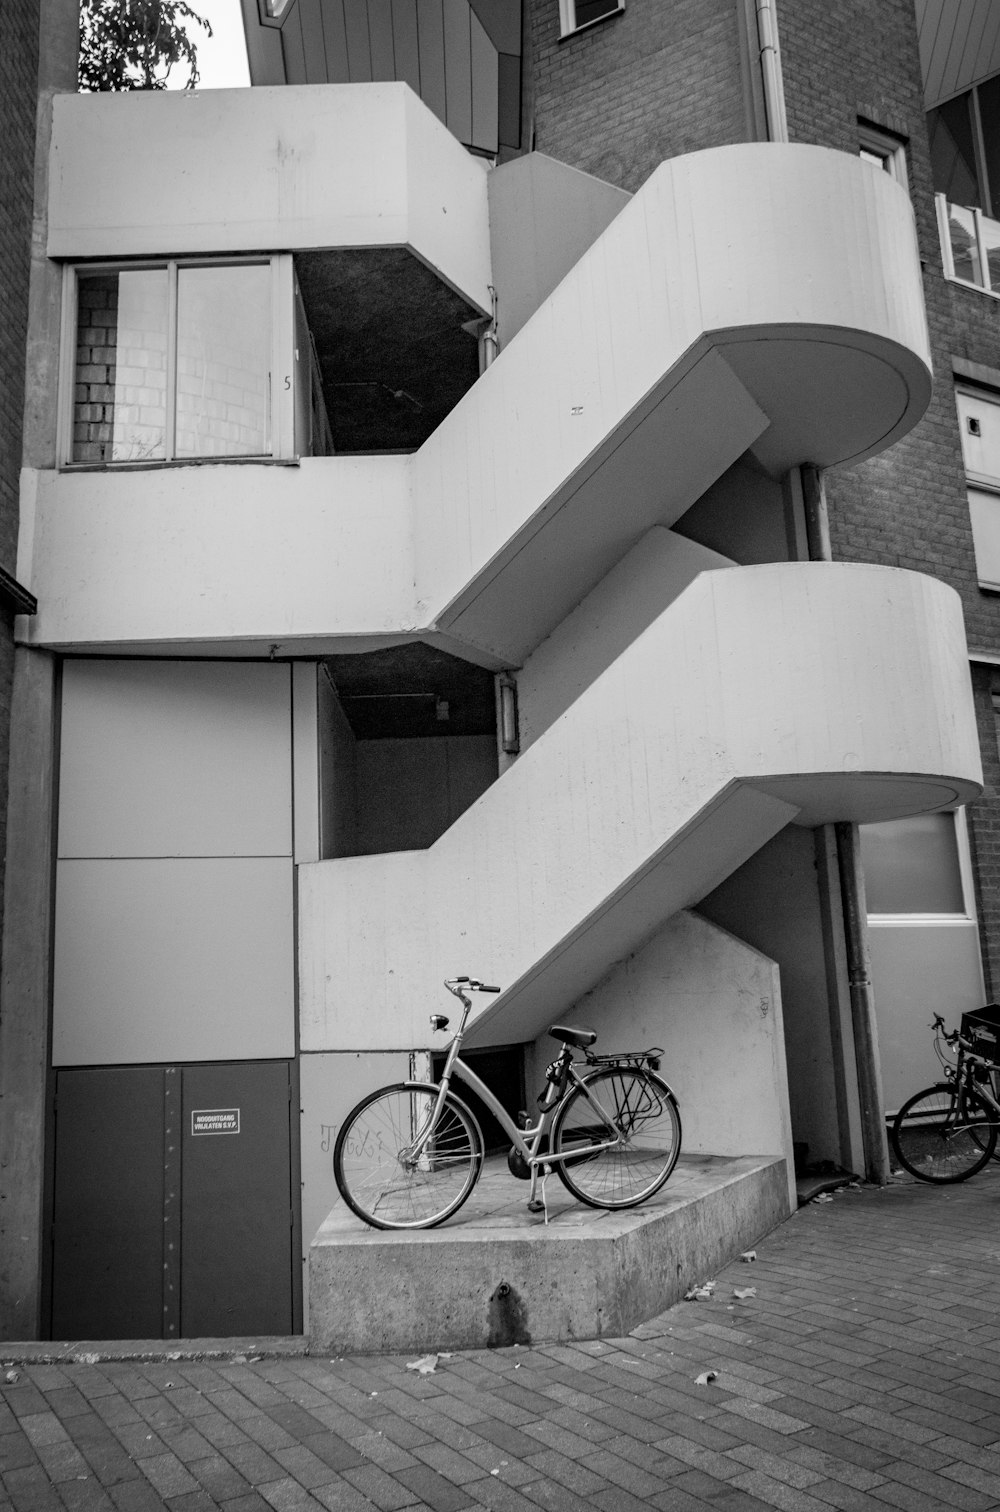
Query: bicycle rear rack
635, 1060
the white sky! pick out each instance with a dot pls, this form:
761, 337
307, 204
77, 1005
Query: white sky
222, 58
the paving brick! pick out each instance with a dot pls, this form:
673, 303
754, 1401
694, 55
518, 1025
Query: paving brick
381, 1489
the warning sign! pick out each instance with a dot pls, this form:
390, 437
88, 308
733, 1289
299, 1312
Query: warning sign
215, 1121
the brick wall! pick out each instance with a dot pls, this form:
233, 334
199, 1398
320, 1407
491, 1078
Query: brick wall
18, 83
662, 78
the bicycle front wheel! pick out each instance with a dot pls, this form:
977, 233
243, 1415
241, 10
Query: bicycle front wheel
945, 1133
375, 1173
636, 1110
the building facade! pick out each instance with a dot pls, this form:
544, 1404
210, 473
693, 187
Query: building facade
497, 498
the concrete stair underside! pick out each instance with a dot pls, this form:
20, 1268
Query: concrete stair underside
498, 1275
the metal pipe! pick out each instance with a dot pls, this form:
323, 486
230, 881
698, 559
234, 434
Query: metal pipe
770, 66
816, 514
852, 889
853, 900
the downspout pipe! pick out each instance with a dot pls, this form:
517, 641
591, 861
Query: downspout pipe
854, 904
770, 68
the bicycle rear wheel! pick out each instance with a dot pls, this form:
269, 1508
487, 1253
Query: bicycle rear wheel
641, 1108
945, 1133
372, 1168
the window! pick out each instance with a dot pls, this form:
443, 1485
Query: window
574, 15
965, 161
883, 150
915, 867
175, 361
979, 422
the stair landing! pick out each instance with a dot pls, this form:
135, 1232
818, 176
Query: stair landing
497, 1275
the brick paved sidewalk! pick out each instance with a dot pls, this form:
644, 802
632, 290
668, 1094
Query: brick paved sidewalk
864, 1373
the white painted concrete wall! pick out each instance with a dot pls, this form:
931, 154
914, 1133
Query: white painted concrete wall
268, 170
632, 595
714, 1004
202, 556
838, 691
543, 217
792, 321
174, 892
772, 903
329, 1087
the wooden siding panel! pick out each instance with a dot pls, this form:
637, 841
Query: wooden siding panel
430, 33
293, 49
405, 42
380, 38
458, 67
359, 53
335, 36
485, 88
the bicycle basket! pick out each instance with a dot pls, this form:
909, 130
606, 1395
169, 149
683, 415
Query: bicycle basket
983, 1029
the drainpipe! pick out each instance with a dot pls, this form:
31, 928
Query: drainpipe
491, 335
770, 67
859, 971
854, 903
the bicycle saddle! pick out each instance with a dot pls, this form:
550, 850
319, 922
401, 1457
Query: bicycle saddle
578, 1037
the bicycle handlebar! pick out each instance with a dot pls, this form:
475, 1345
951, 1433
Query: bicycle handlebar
471, 983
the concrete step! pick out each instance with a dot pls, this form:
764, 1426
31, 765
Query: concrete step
497, 1275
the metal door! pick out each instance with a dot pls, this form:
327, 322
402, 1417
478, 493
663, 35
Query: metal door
107, 1233
172, 1202
236, 1200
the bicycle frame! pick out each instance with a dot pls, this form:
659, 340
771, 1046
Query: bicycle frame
526, 1141
963, 1071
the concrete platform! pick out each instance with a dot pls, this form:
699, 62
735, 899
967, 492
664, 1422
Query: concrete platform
498, 1275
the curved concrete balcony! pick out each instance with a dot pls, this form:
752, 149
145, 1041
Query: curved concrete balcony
758, 297
760, 697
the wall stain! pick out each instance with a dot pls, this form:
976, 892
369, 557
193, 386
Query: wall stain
508, 1318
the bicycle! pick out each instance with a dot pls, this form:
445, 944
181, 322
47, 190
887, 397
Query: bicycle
407, 1156
948, 1132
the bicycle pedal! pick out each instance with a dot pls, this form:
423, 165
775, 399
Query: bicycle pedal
536, 1206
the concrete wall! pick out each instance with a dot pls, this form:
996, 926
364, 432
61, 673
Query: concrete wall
624, 603
336, 165
337, 775
543, 217
209, 555
329, 1087
410, 791
616, 370
714, 1004
814, 682
773, 903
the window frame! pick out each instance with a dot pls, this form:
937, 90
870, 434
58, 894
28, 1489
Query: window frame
281, 399
979, 483
877, 142
961, 920
568, 25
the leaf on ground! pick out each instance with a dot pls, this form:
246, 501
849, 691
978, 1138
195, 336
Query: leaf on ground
702, 1293
742, 1292
748, 1256
706, 1378
824, 1197
426, 1365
